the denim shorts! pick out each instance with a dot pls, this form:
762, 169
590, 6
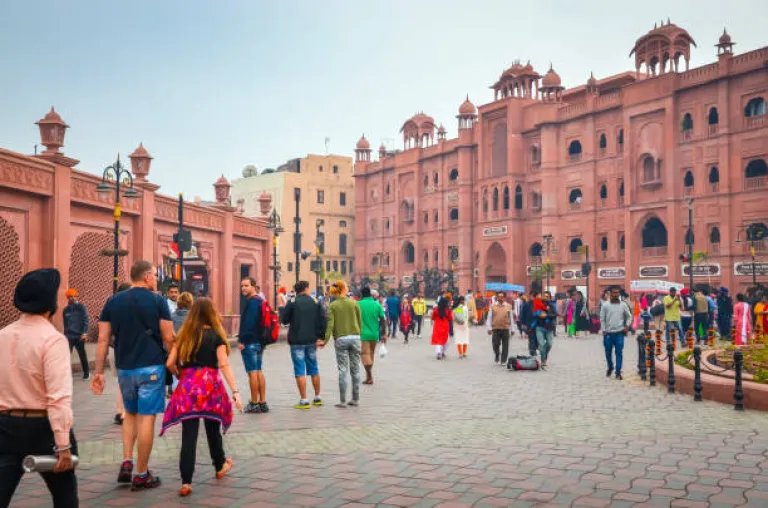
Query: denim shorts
143, 389
304, 359
252, 357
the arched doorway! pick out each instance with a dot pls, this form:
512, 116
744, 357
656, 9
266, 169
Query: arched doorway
496, 264
654, 237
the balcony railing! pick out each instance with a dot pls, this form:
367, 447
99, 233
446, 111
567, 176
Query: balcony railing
535, 166
655, 251
575, 205
621, 200
621, 254
688, 191
755, 183
713, 129
754, 121
575, 256
714, 187
620, 148
687, 134
603, 202
603, 254
714, 248
574, 157
603, 151
534, 261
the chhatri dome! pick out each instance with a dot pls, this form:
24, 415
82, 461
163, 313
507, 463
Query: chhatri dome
362, 143
551, 78
467, 108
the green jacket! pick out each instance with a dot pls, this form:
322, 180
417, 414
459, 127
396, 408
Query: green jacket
344, 318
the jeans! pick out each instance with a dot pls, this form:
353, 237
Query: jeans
611, 342
304, 358
253, 356
76, 343
533, 344
544, 338
417, 320
676, 325
20, 437
685, 322
188, 455
500, 341
348, 351
700, 325
143, 389
394, 323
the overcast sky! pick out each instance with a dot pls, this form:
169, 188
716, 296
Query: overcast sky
209, 87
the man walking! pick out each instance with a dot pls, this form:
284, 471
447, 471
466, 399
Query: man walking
250, 346
526, 322
544, 322
672, 305
701, 316
374, 326
419, 310
500, 322
307, 326
615, 319
76, 328
141, 324
393, 311
344, 325
172, 297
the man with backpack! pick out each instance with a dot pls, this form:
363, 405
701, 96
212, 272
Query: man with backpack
249, 342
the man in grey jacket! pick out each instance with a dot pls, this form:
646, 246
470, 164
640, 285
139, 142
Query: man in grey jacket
615, 319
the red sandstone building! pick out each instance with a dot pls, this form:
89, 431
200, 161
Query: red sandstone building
611, 165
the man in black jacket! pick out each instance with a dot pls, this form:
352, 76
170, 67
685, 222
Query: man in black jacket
307, 325
76, 328
526, 320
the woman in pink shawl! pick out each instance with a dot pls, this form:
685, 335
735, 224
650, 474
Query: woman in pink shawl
742, 320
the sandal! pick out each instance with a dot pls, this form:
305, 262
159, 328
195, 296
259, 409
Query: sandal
226, 468
185, 490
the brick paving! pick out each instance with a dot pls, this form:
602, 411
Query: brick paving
450, 434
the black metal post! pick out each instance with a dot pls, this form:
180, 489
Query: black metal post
652, 368
689, 240
181, 243
642, 341
586, 287
319, 260
697, 373
547, 238
738, 393
297, 234
116, 246
671, 364
754, 272
275, 236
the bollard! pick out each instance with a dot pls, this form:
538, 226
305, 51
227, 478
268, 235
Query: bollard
642, 344
652, 363
673, 339
733, 334
689, 339
671, 363
711, 337
658, 345
697, 373
738, 393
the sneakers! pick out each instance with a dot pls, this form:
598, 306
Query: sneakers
126, 472
608, 372
87, 377
253, 408
264, 407
303, 404
149, 481
497, 359
619, 376
317, 401
118, 420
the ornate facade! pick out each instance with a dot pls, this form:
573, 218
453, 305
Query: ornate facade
542, 172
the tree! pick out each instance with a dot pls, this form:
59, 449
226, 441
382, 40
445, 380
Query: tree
433, 280
538, 273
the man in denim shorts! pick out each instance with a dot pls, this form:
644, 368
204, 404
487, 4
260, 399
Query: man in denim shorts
307, 325
141, 323
250, 346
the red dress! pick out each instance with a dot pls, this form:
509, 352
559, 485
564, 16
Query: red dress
441, 327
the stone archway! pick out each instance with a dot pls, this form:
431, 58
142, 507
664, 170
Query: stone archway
495, 263
91, 274
11, 269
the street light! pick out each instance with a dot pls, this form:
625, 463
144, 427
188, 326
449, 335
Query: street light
319, 241
115, 177
380, 256
547, 238
276, 227
453, 255
754, 233
689, 241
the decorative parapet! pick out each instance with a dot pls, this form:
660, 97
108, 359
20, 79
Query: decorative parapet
167, 210
83, 190
251, 228
21, 172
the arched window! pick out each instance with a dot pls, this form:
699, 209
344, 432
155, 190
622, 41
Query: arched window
603, 192
654, 233
755, 107
603, 141
621, 189
621, 242
426, 217
374, 260
575, 244
574, 197
409, 253
604, 243
436, 256
454, 214
756, 168
649, 169
620, 139
435, 178
426, 257
574, 148
495, 199
342, 223
535, 154
688, 179
687, 124
454, 174
714, 235
713, 118
485, 201
387, 189
714, 175
435, 216
505, 198
343, 244
535, 250
535, 201
426, 181
518, 198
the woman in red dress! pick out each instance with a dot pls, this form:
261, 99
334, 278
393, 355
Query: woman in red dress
406, 317
441, 325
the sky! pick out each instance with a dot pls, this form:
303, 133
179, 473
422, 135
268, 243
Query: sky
211, 86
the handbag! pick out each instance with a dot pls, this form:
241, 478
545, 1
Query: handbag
149, 331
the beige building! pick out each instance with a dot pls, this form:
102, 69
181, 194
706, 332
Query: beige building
326, 188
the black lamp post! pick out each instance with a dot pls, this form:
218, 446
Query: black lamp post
689, 241
453, 255
119, 177
319, 247
276, 227
754, 233
547, 239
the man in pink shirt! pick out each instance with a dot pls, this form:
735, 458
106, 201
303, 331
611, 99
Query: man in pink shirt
36, 395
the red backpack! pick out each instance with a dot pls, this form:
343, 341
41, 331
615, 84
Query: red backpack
270, 324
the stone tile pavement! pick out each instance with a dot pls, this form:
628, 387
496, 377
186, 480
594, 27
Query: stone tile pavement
453, 433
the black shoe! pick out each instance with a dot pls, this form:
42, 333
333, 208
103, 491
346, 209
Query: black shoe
496, 359
87, 377
118, 419
126, 472
264, 407
253, 408
619, 377
608, 372
146, 482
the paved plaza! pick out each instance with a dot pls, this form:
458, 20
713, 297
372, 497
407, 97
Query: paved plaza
452, 433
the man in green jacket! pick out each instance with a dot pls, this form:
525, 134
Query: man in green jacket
374, 329
344, 325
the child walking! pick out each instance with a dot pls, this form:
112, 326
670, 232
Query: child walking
442, 316
461, 322
406, 318
199, 359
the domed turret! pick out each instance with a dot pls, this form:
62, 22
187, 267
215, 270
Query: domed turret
363, 150
551, 78
518, 81
362, 143
467, 108
551, 86
221, 188
724, 44
667, 42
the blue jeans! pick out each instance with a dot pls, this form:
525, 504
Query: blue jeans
304, 358
613, 341
252, 357
143, 389
673, 324
544, 339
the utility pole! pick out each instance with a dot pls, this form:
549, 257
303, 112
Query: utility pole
297, 233
319, 248
181, 243
589, 270
689, 241
547, 239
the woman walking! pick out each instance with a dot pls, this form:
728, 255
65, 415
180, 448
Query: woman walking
345, 324
461, 323
183, 304
199, 358
442, 316
724, 313
742, 320
406, 318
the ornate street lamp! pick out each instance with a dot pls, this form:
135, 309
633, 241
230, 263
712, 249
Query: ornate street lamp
319, 247
753, 233
117, 177
276, 227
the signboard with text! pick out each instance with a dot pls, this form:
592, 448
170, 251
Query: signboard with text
571, 274
495, 231
703, 270
612, 273
654, 272
745, 269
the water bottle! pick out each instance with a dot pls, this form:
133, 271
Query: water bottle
43, 463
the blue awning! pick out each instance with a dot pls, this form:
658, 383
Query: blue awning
504, 286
